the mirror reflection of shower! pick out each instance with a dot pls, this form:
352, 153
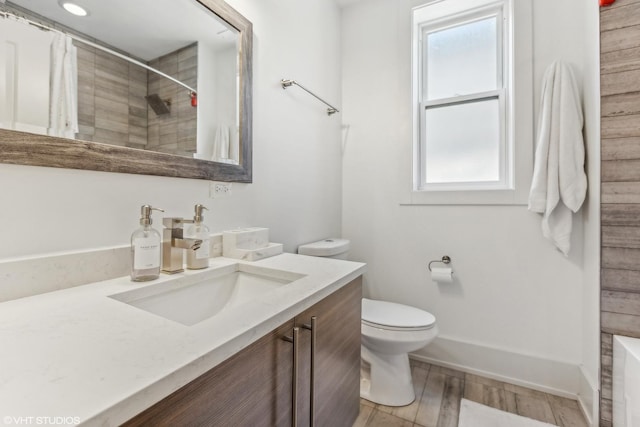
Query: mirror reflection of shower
73, 87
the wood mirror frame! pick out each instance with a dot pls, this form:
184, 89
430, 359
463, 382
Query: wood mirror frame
22, 148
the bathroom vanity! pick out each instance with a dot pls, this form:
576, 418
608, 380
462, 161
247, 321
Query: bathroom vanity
107, 354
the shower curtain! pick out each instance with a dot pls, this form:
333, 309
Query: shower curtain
63, 100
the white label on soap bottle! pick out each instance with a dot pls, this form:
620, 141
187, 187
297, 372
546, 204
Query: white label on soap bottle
203, 252
147, 253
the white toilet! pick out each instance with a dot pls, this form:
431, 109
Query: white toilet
389, 332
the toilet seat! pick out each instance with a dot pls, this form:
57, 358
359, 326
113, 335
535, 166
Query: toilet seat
395, 317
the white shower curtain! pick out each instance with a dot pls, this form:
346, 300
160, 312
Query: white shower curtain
63, 101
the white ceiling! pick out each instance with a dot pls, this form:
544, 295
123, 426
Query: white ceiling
144, 28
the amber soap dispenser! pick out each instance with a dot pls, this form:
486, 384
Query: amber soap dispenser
146, 245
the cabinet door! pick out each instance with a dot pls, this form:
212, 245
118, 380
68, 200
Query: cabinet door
252, 388
337, 359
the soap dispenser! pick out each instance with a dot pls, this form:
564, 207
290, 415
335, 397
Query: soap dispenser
198, 258
145, 248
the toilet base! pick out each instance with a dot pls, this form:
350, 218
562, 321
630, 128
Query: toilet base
386, 379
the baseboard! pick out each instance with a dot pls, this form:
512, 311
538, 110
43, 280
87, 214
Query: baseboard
588, 398
546, 375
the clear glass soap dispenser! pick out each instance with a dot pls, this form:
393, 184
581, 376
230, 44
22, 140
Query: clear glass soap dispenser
199, 258
146, 246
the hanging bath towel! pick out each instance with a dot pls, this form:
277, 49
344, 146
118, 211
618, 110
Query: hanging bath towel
63, 99
559, 183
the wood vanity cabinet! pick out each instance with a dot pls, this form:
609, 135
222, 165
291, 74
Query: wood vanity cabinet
254, 387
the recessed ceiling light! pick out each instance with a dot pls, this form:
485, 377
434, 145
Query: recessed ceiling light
74, 8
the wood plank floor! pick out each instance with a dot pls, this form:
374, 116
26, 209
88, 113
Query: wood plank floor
438, 394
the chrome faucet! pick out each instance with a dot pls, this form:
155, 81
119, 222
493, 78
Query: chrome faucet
173, 243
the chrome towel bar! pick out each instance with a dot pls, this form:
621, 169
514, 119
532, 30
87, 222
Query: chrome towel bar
286, 83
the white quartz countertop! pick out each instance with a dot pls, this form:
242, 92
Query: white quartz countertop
76, 356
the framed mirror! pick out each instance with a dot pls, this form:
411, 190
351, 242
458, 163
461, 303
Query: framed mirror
154, 87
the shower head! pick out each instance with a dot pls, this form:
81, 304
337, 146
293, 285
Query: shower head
158, 105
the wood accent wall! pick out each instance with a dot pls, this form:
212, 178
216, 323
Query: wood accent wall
620, 193
174, 133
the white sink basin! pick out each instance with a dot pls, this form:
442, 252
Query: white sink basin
192, 299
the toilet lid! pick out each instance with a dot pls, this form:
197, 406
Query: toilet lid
390, 315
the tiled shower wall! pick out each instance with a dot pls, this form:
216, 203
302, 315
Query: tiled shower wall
111, 104
175, 132
620, 104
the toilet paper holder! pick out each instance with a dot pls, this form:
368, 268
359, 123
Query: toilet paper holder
445, 260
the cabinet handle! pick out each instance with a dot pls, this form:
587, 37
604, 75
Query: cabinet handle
293, 339
313, 328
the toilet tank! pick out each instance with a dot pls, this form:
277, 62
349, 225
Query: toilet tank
330, 248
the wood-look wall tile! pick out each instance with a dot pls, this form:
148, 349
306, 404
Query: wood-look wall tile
621, 237
115, 125
189, 51
87, 121
110, 64
620, 149
620, 170
111, 79
623, 38
606, 386
618, 83
620, 215
188, 63
620, 126
606, 409
189, 76
616, 61
621, 258
620, 302
620, 192
619, 17
107, 136
105, 90
111, 107
622, 280
85, 53
620, 105
622, 324
606, 341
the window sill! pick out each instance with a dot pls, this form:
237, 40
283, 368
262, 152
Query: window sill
485, 197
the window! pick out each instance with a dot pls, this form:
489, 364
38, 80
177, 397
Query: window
464, 98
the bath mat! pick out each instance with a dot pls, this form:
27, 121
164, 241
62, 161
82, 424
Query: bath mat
474, 414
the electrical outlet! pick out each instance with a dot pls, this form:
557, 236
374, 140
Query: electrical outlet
219, 189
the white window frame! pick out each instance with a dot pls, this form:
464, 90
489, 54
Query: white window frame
515, 97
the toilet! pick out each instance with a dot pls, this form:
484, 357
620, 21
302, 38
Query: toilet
390, 331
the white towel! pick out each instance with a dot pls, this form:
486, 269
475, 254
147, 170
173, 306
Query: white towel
221, 144
63, 101
559, 183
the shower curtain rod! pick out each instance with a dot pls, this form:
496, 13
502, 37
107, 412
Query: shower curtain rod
286, 83
97, 46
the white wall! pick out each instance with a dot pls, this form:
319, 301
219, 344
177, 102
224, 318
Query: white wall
513, 292
24, 77
297, 161
591, 282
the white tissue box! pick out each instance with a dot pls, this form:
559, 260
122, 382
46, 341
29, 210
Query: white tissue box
245, 238
249, 244
254, 254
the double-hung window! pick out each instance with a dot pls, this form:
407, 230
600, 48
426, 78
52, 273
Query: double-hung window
463, 89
